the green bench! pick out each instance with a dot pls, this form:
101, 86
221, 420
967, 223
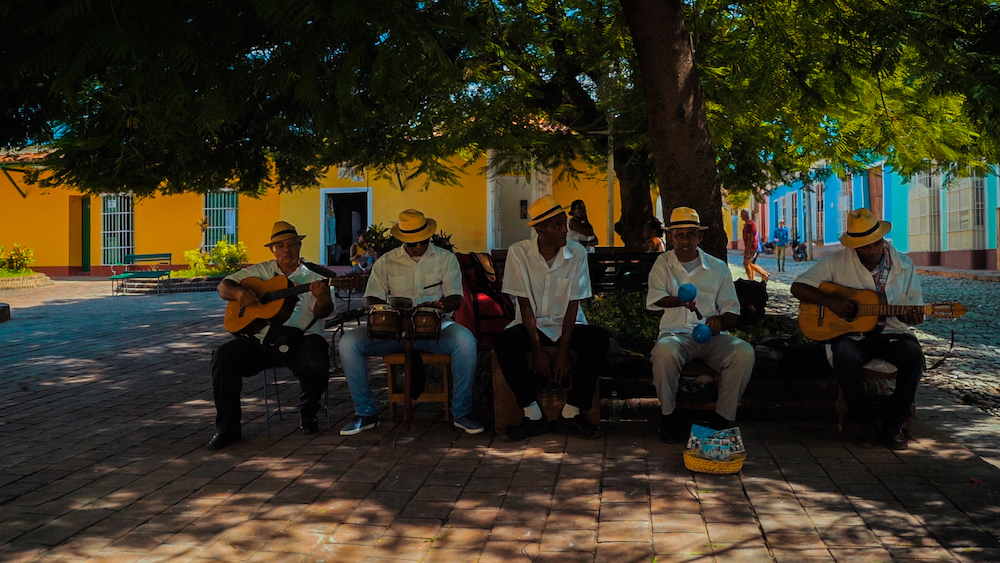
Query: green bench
131, 261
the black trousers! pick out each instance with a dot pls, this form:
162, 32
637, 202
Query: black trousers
246, 357
850, 355
590, 344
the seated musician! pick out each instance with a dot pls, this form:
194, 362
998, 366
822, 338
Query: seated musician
716, 301
308, 357
549, 277
431, 277
870, 262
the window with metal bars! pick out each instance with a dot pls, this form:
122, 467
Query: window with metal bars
924, 205
965, 203
846, 203
117, 228
820, 213
220, 221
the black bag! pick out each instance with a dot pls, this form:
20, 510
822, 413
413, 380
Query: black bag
284, 340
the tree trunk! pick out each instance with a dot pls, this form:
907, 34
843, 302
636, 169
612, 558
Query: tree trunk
637, 206
675, 110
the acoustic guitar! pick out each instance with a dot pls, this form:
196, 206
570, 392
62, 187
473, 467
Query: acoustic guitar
277, 301
819, 323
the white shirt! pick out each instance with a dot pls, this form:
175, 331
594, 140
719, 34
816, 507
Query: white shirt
845, 268
431, 278
716, 291
549, 289
579, 237
302, 314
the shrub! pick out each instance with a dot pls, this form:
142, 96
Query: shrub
18, 260
224, 259
625, 317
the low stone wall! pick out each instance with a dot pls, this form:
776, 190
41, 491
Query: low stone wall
26, 282
172, 285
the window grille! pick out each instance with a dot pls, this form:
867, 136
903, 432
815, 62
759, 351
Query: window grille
117, 228
793, 227
924, 205
846, 202
220, 219
820, 213
966, 214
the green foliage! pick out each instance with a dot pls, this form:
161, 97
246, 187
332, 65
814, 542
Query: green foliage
625, 317
223, 260
18, 260
770, 326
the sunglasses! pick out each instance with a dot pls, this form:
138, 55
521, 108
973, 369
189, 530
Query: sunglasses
424, 242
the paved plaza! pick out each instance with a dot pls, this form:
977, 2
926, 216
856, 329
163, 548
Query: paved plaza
106, 407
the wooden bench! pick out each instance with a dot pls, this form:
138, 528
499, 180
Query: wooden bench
394, 368
129, 271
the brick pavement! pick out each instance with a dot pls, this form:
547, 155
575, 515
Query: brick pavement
105, 408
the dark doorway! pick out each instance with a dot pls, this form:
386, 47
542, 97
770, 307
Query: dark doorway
345, 214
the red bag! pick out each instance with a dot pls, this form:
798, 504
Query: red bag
485, 310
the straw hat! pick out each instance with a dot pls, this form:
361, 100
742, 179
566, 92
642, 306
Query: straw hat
413, 226
863, 228
685, 218
544, 208
283, 230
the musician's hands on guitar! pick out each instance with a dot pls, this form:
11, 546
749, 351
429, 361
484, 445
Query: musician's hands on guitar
246, 297
914, 317
320, 288
843, 308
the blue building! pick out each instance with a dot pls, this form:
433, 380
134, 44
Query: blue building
954, 226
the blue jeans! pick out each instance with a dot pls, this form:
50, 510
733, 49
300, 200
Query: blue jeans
456, 341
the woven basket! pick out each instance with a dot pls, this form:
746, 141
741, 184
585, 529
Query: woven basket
700, 465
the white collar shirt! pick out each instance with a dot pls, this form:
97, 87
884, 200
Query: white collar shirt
716, 291
845, 268
435, 276
548, 289
302, 314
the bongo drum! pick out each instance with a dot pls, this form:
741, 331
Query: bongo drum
426, 323
383, 322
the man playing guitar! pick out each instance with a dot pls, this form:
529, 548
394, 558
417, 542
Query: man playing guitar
429, 277
284, 345
870, 262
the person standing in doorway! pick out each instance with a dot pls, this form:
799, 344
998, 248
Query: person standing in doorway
751, 245
780, 240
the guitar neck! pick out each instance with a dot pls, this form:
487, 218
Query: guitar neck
283, 293
891, 310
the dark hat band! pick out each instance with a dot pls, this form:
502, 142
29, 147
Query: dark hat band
684, 223
286, 232
866, 233
406, 232
537, 217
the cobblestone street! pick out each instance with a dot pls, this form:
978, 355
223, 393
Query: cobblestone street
106, 407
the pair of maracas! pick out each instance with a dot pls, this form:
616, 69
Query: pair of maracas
687, 293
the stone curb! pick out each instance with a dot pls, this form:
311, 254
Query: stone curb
26, 282
984, 275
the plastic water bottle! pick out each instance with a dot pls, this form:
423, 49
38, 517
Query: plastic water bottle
614, 407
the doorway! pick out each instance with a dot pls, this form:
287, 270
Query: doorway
345, 211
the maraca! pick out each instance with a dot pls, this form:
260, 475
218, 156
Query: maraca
702, 333
687, 293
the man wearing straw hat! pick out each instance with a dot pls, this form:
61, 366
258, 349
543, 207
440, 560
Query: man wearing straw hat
307, 355
716, 305
549, 277
868, 261
431, 277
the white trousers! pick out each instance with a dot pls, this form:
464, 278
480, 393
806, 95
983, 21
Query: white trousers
732, 357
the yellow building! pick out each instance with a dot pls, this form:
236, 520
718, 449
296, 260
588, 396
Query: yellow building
77, 234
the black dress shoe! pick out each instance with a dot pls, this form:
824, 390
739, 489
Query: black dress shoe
527, 429
673, 430
895, 439
220, 441
577, 424
308, 424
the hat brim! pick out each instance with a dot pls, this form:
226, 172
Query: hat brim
284, 238
423, 234
687, 226
847, 241
552, 213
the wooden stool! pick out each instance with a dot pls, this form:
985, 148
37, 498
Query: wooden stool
874, 374
696, 368
431, 394
507, 413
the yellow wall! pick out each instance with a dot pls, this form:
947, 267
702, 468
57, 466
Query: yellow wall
165, 224
256, 217
40, 221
